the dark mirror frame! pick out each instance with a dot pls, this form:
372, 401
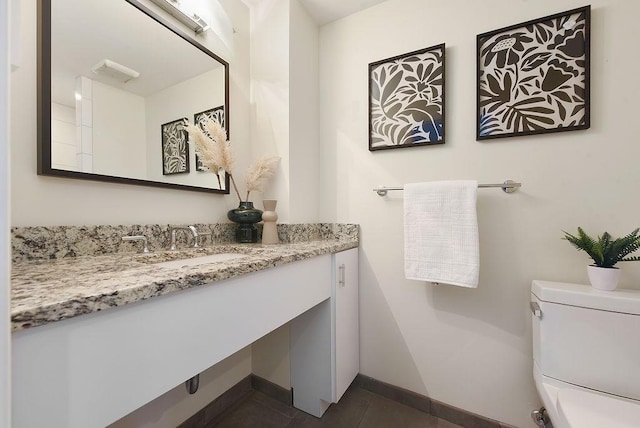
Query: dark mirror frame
44, 103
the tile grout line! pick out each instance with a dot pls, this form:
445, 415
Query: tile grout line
362, 418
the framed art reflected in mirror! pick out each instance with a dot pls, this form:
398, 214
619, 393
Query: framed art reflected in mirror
175, 148
216, 114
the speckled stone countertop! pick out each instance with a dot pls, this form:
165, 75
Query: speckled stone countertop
45, 291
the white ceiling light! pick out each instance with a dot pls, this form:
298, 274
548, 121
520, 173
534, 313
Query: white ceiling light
190, 19
114, 70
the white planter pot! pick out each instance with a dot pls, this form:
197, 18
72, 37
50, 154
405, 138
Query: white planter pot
603, 278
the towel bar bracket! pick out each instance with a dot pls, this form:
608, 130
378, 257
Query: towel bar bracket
382, 191
508, 186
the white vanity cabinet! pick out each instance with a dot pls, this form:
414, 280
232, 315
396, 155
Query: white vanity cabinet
325, 346
90, 370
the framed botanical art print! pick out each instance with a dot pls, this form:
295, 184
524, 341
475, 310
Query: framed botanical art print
175, 148
216, 114
533, 77
406, 100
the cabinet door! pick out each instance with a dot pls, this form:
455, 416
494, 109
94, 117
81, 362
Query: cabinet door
346, 325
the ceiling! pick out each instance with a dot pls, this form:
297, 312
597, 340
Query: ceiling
325, 11
85, 32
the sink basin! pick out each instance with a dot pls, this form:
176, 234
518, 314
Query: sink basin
196, 261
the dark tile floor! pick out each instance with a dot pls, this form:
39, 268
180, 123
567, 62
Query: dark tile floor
357, 408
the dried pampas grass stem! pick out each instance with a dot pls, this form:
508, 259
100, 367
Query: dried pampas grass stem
204, 149
213, 148
260, 172
223, 155
215, 153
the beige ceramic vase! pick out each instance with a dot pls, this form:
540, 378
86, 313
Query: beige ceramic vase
269, 217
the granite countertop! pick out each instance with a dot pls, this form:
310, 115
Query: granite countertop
46, 291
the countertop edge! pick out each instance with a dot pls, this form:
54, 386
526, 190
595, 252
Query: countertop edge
23, 319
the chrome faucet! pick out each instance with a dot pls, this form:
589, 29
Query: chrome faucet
174, 229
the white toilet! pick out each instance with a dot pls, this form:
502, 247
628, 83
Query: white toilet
586, 352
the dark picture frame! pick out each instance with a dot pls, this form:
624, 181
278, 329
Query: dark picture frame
175, 147
407, 100
534, 77
216, 113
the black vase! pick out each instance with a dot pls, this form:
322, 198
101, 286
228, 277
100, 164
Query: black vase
246, 217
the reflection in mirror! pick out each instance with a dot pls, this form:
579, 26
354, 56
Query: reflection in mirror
116, 82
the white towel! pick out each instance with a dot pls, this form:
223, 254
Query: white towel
441, 232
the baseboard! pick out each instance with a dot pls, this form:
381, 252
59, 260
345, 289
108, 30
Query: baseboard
217, 407
395, 393
233, 396
236, 393
273, 390
425, 404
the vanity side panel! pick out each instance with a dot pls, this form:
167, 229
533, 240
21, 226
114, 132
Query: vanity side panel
346, 321
310, 337
91, 370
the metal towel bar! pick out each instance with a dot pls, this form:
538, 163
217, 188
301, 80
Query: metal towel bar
508, 186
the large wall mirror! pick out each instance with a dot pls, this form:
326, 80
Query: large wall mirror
116, 81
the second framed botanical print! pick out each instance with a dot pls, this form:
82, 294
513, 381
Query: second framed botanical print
406, 100
216, 114
533, 77
175, 148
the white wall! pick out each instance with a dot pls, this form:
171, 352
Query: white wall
118, 150
284, 94
5, 189
271, 358
304, 150
284, 87
270, 100
472, 348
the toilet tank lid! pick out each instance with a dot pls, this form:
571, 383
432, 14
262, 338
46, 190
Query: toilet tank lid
620, 300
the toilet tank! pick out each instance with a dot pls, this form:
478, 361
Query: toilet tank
588, 337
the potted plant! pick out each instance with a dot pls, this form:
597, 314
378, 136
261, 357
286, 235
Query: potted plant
605, 252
